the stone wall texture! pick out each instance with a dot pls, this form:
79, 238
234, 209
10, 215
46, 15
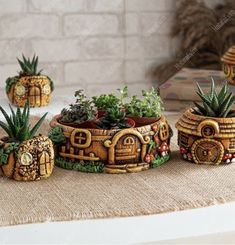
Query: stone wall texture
97, 45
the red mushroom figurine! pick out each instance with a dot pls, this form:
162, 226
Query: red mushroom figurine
163, 149
227, 157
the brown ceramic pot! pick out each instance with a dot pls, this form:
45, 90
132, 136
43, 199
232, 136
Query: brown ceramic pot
113, 151
36, 89
141, 121
32, 160
206, 140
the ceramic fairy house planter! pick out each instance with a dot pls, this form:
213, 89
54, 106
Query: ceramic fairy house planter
23, 156
30, 85
206, 133
113, 145
228, 64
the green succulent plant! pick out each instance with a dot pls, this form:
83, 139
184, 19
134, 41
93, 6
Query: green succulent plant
29, 67
17, 124
149, 106
115, 117
56, 135
81, 111
215, 104
105, 101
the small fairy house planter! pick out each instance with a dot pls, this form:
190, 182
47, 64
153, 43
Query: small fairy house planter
206, 135
23, 156
29, 85
121, 148
228, 64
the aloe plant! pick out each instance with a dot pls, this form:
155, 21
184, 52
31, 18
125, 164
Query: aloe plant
17, 124
29, 67
215, 104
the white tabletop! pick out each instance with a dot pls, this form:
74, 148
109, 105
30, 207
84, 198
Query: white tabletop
151, 228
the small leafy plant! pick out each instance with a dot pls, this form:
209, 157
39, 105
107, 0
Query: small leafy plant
17, 124
149, 106
105, 101
114, 118
215, 104
82, 111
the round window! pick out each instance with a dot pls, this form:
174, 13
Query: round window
26, 158
46, 89
20, 90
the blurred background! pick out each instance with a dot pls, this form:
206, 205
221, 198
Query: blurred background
97, 45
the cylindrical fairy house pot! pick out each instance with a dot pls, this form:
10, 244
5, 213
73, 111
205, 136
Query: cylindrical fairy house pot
29, 85
36, 89
228, 64
112, 151
33, 159
206, 140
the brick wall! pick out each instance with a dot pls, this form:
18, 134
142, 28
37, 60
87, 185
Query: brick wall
93, 44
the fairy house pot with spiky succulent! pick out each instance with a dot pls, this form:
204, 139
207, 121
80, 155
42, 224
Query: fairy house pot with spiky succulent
228, 64
30, 85
24, 156
113, 145
206, 133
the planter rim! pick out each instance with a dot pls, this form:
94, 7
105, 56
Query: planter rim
190, 123
54, 122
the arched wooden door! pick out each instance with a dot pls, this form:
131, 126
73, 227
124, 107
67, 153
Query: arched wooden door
128, 150
45, 164
34, 96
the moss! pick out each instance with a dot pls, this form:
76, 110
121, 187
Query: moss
11, 81
56, 135
82, 166
158, 161
5, 152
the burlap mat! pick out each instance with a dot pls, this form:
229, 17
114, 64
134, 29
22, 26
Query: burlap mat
71, 195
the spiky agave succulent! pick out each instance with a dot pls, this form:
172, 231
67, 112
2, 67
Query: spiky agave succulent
29, 67
215, 104
17, 124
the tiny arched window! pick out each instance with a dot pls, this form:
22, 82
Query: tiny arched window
128, 141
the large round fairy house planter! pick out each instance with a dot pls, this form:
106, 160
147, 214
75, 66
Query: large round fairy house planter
228, 64
29, 85
206, 140
111, 151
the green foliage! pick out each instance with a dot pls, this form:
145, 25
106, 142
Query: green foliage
159, 160
149, 106
215, 104
105, 101
83, 110
5, 151
51, 84
17, 124
123, 94
83, 166
11, 81
29, 67
114, 118
56, 135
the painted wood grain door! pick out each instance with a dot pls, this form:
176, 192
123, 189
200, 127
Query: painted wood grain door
128, 150
34, 96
